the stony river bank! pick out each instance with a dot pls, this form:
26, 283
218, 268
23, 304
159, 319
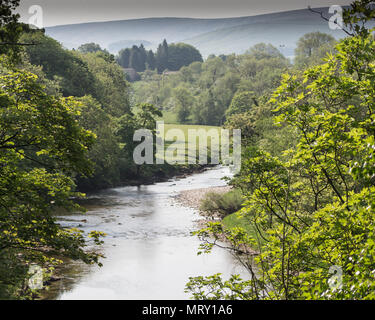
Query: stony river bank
193, 198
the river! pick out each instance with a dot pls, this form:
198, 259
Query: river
149, 250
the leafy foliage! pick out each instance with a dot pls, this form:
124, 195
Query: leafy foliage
90, 48
41, 146
59, 64
182, 54
241, 103
312, 48
144, 117
312, 203
219, 87
10, 29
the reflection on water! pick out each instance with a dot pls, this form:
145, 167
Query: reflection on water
149, 251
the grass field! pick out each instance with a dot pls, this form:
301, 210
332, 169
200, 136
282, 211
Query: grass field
178, 136
186, 127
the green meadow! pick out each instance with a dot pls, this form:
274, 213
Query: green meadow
175, 140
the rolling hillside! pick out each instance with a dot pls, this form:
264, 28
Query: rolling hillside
208, 35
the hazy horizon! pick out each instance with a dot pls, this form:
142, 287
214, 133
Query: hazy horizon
57, 13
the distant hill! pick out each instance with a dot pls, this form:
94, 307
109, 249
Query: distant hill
115, 47
153, 30
217, 36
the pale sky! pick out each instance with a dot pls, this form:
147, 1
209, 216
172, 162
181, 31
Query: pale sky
58, 12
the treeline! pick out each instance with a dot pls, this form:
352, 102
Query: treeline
167, 57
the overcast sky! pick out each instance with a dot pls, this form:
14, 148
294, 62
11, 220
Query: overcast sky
57, 12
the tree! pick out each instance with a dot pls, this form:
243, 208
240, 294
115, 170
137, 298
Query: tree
261, 69
241, 102
151, 61
59, 64
41, 147
212, 69
312, 47
90, 48
136, 60
10, 29
144, 118
246, 122
105, 153
143, 57
110, 87
182, 54
264, 51
162, 56
123, 58
205, 109
185, 103
7, 15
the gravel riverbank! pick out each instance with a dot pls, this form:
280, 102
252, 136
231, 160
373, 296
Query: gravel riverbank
193, 198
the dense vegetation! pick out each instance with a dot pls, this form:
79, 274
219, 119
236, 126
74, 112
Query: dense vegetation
42, 147
212, 91
167, 57
66, 125
93, 76
308, 181
306, 187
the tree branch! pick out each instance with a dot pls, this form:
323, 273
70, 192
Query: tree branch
326, 19
17, 44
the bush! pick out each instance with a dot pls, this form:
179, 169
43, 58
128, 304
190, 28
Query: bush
222, 204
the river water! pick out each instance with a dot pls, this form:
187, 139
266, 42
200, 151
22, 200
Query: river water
150, 253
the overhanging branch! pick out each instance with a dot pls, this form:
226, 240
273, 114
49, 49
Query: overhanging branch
326, 19
17, 44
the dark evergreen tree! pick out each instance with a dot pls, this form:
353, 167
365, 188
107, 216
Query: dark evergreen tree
136, 60
171, 57
151, 61
143, 55
162, 57
123, 58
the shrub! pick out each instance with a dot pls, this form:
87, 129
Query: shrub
222, 204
